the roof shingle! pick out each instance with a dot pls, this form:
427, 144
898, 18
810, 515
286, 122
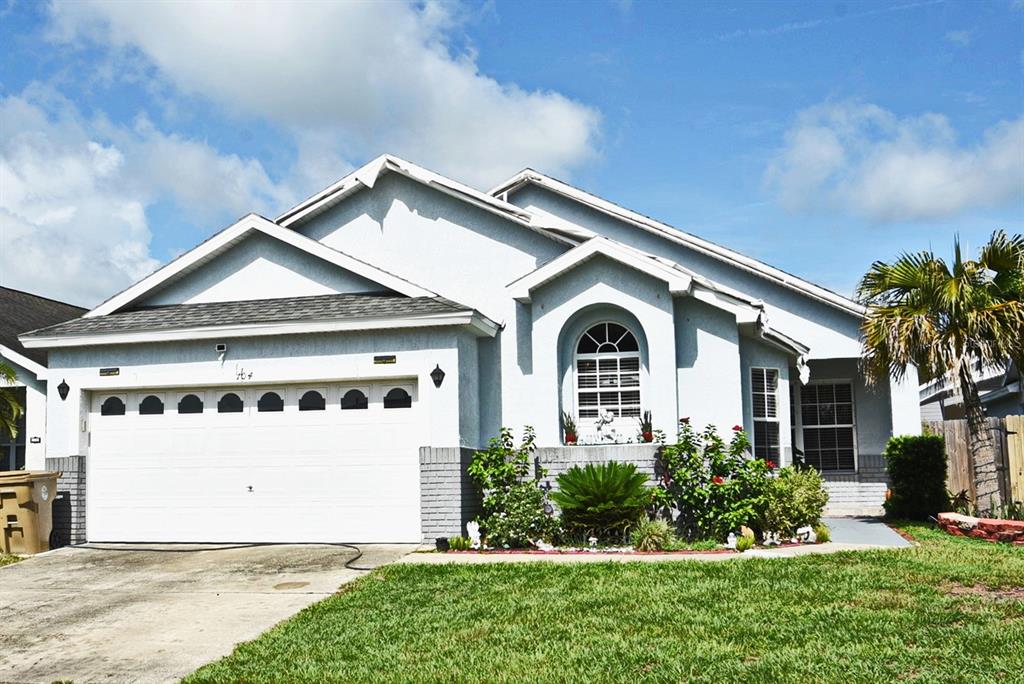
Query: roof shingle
288, 309
21, 311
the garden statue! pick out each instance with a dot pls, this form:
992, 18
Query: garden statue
806, 535
606, 431
730, 541
473, 531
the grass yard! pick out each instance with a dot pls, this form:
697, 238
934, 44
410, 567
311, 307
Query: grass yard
951, 610
7, 559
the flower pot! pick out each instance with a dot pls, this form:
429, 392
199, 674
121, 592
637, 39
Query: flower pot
648, 436
570, 438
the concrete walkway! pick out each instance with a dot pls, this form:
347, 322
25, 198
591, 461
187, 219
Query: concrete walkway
848, 534
155, 613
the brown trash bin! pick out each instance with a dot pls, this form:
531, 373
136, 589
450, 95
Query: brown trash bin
26, 510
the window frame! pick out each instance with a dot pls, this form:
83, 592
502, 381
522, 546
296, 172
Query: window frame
300, 392
776, 419
259, 393
142, 396
364, 389
104, 398
798, 419
387, 389
201, 394
577, 391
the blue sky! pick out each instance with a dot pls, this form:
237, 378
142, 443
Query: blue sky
815, 136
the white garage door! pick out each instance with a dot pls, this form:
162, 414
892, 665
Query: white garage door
311, 463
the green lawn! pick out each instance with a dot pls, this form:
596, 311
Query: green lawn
7, 559
951, 610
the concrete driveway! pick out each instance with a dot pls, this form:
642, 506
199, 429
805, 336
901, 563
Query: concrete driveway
154, 613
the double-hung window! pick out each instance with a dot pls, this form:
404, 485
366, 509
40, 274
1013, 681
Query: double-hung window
607, 372
829, 427
764, 388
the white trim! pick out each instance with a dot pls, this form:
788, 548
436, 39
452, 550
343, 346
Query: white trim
41, 372
224, 239
479, 325
367, 175
703, 246
633, 421
678, 283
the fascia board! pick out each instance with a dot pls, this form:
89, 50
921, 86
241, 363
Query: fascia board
466, 318
40, 371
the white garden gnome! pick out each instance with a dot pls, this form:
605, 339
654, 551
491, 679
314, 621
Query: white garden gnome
473, 531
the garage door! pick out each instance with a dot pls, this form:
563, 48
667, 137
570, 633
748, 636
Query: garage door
310, 463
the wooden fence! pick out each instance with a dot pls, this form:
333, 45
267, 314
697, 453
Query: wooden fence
1008, 438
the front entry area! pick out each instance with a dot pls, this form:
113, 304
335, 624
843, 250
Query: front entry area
331, 462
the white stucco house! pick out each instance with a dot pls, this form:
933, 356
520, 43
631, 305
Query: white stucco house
323, 376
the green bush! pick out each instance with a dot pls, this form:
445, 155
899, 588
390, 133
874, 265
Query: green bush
744, 543
460, 544
917, 471
652, 535
822, 534
602, 501
794, 498
715, 487
513, 502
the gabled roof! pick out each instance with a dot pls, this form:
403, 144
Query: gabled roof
750, 313
224, 240
531, 177
289, 315
22, 311
367, 175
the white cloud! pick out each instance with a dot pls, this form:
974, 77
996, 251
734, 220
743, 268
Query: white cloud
865, 160
959, 37
362, 78
74, 193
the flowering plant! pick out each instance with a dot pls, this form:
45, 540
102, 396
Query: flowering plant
710, 486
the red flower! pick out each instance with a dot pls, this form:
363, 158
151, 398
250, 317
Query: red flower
718, 479
737, 428
770, 464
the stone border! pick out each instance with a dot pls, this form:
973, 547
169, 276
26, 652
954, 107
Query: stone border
989, 529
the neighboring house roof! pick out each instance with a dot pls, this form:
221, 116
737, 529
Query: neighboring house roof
367, 175
22, 312
529, 176
224, 240
289, 315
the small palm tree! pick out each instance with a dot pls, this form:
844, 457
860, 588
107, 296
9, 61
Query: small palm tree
10, 408
948, 319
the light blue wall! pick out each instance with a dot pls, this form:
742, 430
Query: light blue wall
756, 354
707, 364
260, 267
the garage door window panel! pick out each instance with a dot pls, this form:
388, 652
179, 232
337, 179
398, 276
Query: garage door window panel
151, 405
270, 402
112, 406
230, 403
312, 400
190, 403
354, 399
397, 398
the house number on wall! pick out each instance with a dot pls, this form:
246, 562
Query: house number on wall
242, 374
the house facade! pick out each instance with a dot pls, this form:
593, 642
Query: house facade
324, 376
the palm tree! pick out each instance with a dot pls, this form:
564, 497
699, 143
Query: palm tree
10, 408
948, 319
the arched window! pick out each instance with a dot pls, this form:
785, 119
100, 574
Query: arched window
354, 399
151, 406
312, 401
397, 398
190, 403
607, 372
112, 406
270, 403
230, 403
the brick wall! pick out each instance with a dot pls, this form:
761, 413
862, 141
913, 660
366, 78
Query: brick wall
69, 503
448, 498
557, 460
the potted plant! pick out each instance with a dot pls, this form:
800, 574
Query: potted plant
569, 428
647, 427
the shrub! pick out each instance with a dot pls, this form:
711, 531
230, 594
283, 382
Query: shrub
744, 543
513, 502
460, 544
822, 534
715, 487
601, 500
794, 498
652, 535
917, 470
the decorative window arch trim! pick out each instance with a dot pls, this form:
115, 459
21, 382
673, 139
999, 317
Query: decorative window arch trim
606, 372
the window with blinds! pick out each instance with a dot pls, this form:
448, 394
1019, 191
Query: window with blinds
826, 413
764, 389
608, 372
